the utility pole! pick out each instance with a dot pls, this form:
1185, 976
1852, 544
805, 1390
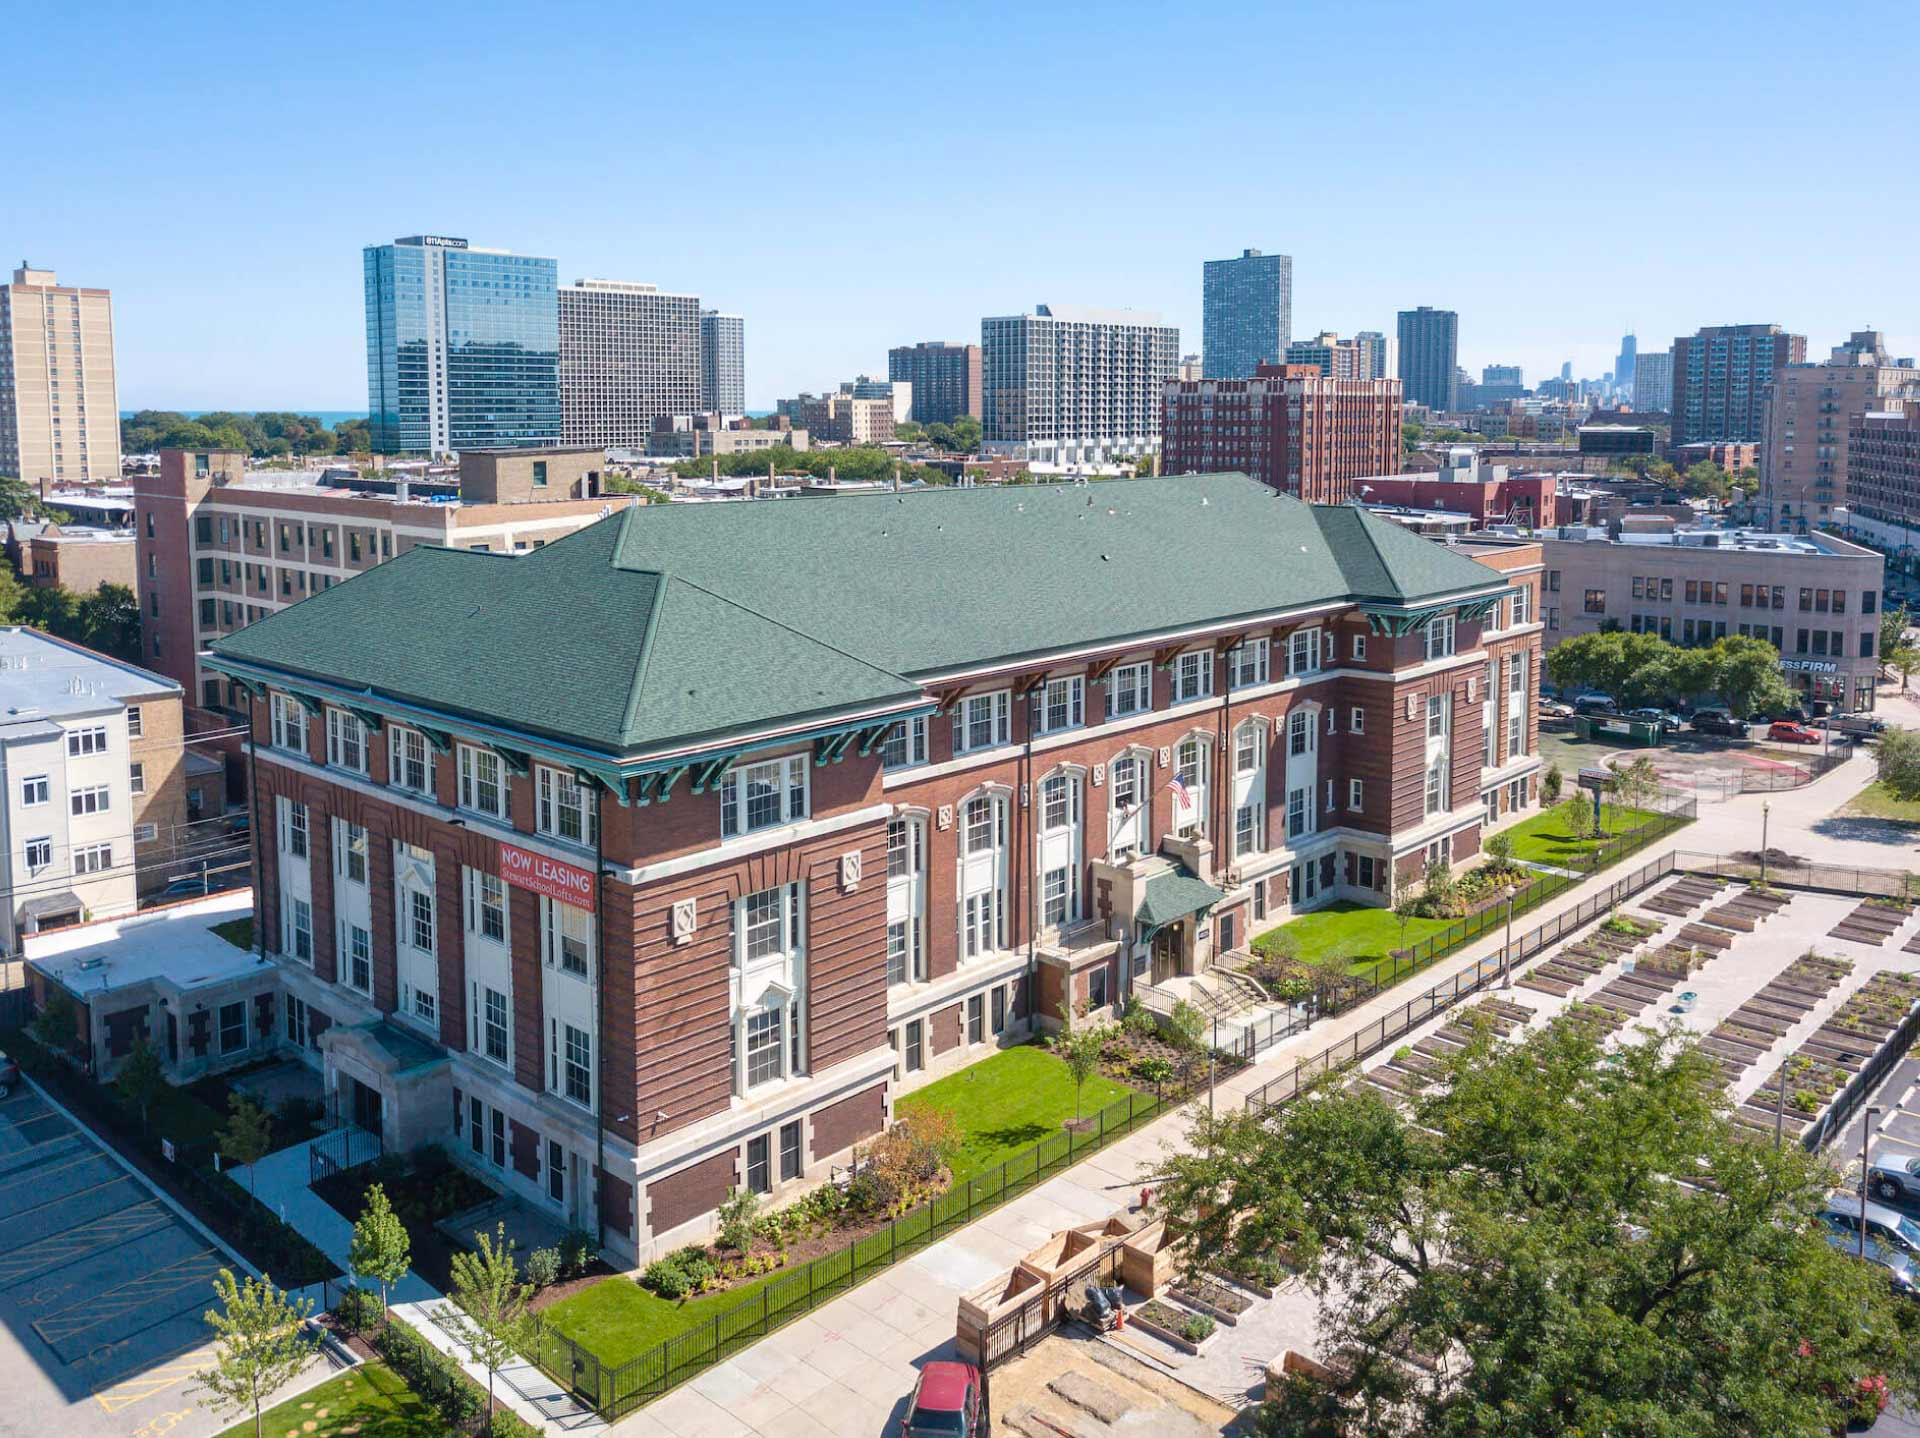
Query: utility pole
1780, 1110
1506, 949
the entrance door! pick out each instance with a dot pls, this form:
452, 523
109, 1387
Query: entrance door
1168, 943
366, 1107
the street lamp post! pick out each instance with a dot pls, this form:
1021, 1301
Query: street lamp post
1506, 949
1766, 810
1780, 1111
1866, 1132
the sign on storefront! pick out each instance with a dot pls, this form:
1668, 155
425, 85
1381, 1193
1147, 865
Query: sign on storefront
557, 879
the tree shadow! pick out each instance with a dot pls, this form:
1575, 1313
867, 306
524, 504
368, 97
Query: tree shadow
1015, 1136
1865, 830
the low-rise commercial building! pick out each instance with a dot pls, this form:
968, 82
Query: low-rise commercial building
1814, 597
92, 775
219, 547
1615, 439
1466, 484
644, 874
75, 557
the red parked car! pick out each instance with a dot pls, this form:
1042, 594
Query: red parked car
947, 1403
1788, 732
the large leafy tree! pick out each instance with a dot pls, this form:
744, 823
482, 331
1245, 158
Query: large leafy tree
1746, 673
1547, 1239
1897, 757
1893, 630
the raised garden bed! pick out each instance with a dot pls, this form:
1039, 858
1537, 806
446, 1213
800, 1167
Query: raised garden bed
1182, 1327
1204, 1295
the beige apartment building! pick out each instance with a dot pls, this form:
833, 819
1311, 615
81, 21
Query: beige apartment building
59, 404
220, 547
1803, 461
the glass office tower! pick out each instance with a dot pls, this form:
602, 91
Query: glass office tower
1246, 314
463, 347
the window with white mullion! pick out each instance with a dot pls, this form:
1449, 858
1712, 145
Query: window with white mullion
1193, 675
763, 796
981, 721
483, 782
409, 760
1304, 651
346, 741
564, 807
1191, 767
289, 721
905, 744
1247, 663
1130, 690
566, 937
1061, 704
1440, 636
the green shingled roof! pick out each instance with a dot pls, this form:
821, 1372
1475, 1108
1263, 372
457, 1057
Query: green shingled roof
677, 623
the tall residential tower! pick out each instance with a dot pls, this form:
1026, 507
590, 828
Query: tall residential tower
628, 355
463, 347
59, 409
945, 379
1430, 357
1072, 385
1720, 379
1247, 314
723, 363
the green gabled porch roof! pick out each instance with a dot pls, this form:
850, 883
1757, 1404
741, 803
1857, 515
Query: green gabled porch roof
1174, 895
674, 626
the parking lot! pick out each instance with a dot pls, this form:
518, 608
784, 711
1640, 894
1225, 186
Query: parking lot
102, 1289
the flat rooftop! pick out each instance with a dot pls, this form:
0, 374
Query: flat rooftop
175, 945
43, 678
1745, 541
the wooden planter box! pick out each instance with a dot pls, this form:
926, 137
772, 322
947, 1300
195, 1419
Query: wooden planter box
1167, 1335
1148, 1259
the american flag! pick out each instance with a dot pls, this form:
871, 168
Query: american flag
1178, 788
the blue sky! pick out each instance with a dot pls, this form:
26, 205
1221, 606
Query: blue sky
853, 179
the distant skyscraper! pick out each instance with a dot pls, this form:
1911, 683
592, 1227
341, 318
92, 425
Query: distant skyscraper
723, 363
1247, 313
945, 379
463, 347
59, 407
1337, 358
1188, 368
1624, 367
1072, 385
1653, 381
1382, 355
1430, 357
1502, 374
1566, 370
1813, 412
628, 356
1720, 379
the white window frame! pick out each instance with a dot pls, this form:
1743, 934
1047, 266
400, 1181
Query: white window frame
92, 859
1192, 675
1359, 649
1059, 790
1306, 649
37, 853
288, 722
564, 808
346, 741
1357, 720
90, 740
401, 741
1194, 755
35, 790
1248, 663
773, 922
298, 939
1060, 704
296, 837
136, 722
93, 799
350, 852
136, 779
905, 744
357, 949
1130, 690
781, 783
474, 762
978, 715
1440, 636
1356, 795
1132, 820
763, 1044
567, 938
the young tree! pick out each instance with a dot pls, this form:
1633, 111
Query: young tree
1499, 849
1189, 1025
1544, 1208
1437, 887
1893, 630
489, 1316
247, 1136
1638, 785
1904, 659
1550, 783
1407, 904
1575, 813
381, 1249
1897, 757
142, 1078
1079, 1049
260, 1343
56, 1025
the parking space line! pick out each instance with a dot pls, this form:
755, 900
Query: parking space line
195, 1271
41, 1175
122, 1226
127, 1392
69, 1197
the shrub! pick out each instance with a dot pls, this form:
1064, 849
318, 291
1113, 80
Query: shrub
701, 1273
543, 1267
1499, 849
1138, 1020
505, 1423
738, 1215
1195, 1327
576, 1252
1153, 1070
1189, 1025
358, 1310
667, 1278
1550, 783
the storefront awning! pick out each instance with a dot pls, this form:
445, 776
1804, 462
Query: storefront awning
1175, 895
51, 905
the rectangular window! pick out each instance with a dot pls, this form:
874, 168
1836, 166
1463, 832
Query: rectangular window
1247, 664
565, 807
759, 1165
477, 1126
1055, 895
763, 796
1356, 720
293, 820
408, 765
790, 1159
976, 1018
1437, 716
764, 1049
556, 1172
1130, 690
420, 920
1059, 802
1062, 704
1246, 830
92, 858
916, 1046
497, 1134
1356, 792
137, 778
145, 833
1303, 651
905, 744
1440, 637
1097, 996
34, 790
300, 930
346, 741
359, 959
899, 957
483, 782
1193, 675
91, 740
493, 1026
94, 799
1359, 646
578, 1066
233, 1028
289, 724
135, 724
39, 854
999, 1009
566, 937
487, 907
980, 721
351, 843
1246, 749
1596, 601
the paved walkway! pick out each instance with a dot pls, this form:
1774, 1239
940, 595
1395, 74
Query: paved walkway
280, 1182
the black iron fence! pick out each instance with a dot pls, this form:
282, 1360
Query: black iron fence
1012, 1333
1793, 874
1863, 1085
615, 1391
341, 1149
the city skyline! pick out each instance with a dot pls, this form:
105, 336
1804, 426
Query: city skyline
822, 301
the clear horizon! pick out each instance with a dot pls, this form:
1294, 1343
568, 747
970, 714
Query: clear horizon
1555, 190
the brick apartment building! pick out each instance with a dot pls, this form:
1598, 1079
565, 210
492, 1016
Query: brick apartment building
1487, 493
219, 548
631, 892
76, 557
1290, 427
1810, 410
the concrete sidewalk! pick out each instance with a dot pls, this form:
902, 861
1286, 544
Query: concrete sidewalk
280, 1182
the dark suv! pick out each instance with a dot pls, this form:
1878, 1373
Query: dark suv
1720, 722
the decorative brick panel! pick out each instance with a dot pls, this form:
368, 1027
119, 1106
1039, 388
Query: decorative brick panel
839, 1126
698, 1189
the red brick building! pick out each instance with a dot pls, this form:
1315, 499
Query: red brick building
667, 857
1290, 427
1498, 498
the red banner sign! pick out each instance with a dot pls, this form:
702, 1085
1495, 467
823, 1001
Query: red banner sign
569, 883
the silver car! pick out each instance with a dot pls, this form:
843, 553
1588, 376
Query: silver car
1886, 1226
1899, 1267
1895, 1180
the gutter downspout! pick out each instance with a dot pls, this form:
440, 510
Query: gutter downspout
599, 1024
253, 821
1033, 866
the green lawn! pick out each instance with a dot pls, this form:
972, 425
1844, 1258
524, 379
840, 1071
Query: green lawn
1544, 839
1874, 802
370, 1401
1345, 935
618, 1320
238, 932
1009, 1102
